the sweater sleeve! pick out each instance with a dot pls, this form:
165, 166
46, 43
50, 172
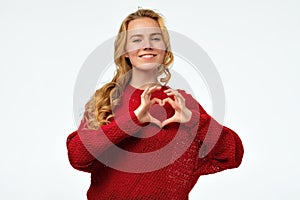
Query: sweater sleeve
219, 147
85, 144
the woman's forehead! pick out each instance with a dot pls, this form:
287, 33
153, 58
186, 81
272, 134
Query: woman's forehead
142, 22
145, 31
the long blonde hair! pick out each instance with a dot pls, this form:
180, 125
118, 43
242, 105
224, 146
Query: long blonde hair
98, 109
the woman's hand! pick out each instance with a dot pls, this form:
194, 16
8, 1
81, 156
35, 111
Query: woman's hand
182, 113
142, 112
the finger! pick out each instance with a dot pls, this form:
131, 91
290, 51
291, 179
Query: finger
170, 92
173, 95
156, 100
167, 90
155, 121
168, 121
178, 98
145, 92
181, 97
153, 88
170, 101
150, 90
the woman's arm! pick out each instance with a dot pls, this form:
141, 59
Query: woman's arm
219, 147
85, 144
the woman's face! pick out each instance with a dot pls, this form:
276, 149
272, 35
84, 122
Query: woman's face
145, 46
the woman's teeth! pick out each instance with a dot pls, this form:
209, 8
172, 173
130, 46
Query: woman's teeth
147, 56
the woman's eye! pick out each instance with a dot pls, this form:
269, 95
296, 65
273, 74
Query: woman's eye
156, 39
136, 40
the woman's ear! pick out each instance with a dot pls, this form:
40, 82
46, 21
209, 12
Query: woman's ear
126, 55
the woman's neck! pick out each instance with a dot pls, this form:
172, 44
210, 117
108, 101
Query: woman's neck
143, 79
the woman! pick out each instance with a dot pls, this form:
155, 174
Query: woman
138, 113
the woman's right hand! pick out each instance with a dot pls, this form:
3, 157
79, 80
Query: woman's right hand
142, 112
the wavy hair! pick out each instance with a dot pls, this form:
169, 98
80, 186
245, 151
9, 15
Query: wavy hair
98, 110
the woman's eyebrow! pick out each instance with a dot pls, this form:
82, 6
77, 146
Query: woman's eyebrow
136, 35
141, 35
155, 34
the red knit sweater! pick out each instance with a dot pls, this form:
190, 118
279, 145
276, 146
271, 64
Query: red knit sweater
205, 152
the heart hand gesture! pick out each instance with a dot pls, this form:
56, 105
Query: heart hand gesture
182, 113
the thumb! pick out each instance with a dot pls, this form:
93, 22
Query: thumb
155, 121
168, 121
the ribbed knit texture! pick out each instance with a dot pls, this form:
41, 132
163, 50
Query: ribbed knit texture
221, 149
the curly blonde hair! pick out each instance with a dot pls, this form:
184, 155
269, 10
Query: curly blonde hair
98, 110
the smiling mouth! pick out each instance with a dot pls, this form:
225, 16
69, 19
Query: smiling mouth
147, 55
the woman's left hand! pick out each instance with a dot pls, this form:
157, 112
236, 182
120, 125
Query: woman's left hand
182, 113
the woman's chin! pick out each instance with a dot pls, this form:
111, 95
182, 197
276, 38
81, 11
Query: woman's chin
149, 66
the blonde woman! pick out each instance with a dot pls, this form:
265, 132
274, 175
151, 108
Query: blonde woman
139, 113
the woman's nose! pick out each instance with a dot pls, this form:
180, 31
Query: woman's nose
147, 44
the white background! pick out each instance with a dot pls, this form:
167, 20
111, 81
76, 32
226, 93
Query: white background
254, 44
